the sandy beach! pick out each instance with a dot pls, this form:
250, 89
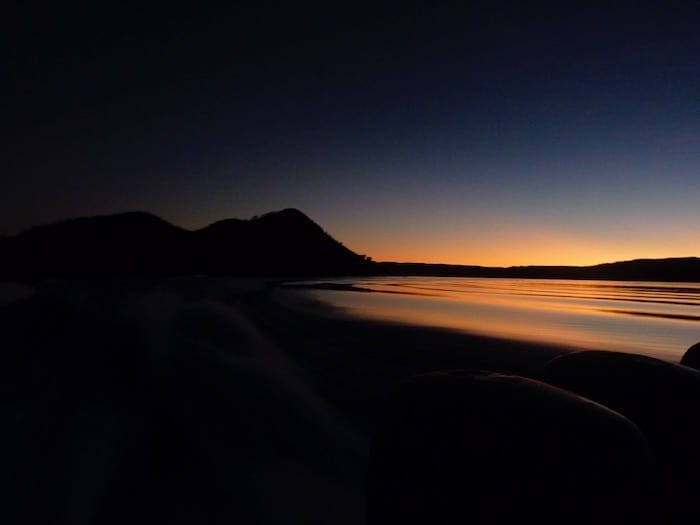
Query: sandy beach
212, 398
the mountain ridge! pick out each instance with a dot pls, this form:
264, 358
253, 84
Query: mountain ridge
284, 242
141, 243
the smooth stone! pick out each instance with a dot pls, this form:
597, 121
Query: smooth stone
661, 398
691, 357
478, 447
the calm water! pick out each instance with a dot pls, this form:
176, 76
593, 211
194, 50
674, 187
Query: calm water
656, 319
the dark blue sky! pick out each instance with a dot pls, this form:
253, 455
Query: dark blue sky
491, 133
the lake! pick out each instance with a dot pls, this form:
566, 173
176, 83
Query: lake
658, 319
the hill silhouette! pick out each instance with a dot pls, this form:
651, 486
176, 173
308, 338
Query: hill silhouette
285, 242
282, 243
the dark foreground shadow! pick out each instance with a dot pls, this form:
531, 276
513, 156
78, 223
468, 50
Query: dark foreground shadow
144, 406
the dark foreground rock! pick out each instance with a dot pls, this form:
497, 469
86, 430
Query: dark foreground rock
480, 447
691, 357
661, 398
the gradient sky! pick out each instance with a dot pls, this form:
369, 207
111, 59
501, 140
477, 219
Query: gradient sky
500, 133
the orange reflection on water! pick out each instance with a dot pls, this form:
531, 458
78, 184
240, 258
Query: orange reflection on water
658, 319
424, 312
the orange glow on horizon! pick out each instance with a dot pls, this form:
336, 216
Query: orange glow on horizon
506, 258
544, 249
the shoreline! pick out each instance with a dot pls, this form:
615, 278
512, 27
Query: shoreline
354, 361
653, 319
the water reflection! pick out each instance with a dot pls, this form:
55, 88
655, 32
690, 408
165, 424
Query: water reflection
657, 319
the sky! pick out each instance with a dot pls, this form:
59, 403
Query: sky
491, 133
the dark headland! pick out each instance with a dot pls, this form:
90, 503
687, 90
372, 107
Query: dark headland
284, 242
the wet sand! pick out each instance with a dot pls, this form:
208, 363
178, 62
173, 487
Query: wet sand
354, 362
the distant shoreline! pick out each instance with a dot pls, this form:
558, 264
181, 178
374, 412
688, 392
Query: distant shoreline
676, 269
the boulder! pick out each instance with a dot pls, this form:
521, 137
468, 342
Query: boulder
691, 357
479, 446
661, 398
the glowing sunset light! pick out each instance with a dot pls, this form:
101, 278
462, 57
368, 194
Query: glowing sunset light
516, 247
